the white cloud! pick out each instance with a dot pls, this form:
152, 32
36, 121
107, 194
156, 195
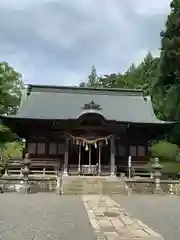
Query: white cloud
152, 8
57, 42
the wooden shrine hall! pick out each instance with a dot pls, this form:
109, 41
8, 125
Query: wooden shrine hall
84, 130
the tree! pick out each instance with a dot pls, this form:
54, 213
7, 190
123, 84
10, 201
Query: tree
10, 89
93, 78
142, 76
82, 84
167, 87
11, 86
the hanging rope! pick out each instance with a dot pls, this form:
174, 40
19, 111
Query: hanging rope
84, 141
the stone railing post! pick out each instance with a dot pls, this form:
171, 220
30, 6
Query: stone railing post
6, 169
1, 169
66, 157
112, 157
129, 167
59, 184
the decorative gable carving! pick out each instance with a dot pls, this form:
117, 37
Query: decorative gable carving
92, 106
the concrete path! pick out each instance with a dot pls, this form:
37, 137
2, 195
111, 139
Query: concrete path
162, 213
43, 216
112, 222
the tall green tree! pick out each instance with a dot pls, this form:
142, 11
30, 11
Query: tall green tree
142, 76
167, 87
93, 79
11, 86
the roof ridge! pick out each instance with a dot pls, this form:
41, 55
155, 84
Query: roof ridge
60, 87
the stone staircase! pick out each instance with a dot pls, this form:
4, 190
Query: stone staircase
92, 185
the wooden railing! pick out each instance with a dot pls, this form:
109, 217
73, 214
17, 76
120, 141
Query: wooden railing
45, 166
138, 167
14, 166
55, 165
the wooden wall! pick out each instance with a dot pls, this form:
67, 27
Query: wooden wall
44, 147
133, 143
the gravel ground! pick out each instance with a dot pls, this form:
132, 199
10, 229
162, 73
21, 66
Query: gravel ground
43, 216
161, 213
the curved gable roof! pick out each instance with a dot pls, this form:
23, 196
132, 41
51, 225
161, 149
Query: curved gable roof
44, 102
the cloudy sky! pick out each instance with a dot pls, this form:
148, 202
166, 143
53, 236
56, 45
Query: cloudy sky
57, 41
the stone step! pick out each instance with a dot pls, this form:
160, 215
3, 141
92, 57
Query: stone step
92, 185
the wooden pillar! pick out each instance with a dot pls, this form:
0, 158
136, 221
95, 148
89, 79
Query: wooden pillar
99, 169
112, 156
66, 156
79, 162
89, 158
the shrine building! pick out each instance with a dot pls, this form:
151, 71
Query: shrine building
85, 130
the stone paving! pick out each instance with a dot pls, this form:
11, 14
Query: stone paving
112, 222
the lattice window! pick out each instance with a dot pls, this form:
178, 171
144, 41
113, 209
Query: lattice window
61, 148
31, 148
141, 151
133, 151
52, 148
121, 151
41, 148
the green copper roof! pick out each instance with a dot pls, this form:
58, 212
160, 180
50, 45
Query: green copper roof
47, 102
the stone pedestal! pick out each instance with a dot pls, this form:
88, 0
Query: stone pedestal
157, 174
157, 187
25, 188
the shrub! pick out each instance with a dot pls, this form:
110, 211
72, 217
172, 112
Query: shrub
166, 151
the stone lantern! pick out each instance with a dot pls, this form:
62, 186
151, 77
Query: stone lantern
25, 187
157, 167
